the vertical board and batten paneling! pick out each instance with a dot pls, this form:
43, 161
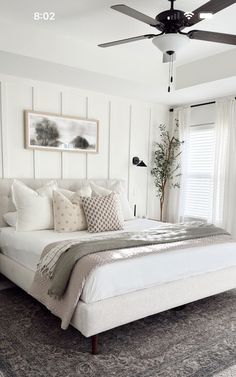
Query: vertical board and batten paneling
98, 164
74, 104
125, 130
119, 139
47, 98
19, 161
140, 126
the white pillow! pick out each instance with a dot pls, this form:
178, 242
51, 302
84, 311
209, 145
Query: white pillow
10, 218
84, 191
99, 190
34, 208
117, 188
67, 193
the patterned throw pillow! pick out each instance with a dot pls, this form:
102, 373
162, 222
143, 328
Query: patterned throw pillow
103, 213
68, 217
118, 189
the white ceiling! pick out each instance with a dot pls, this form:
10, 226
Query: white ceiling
93, 22
81, 24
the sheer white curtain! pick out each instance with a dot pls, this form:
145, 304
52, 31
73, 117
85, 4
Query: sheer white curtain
224, 202
175, 197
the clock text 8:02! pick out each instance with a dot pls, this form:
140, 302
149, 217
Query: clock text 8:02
45, 16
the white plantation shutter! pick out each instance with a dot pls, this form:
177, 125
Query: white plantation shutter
200, 173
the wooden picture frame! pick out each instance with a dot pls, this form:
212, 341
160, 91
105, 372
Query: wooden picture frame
54, 132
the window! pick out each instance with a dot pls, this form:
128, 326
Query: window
200, 173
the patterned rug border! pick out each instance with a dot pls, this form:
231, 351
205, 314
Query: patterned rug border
31, 333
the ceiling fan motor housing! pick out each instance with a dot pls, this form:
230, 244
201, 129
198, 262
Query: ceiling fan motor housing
172, 20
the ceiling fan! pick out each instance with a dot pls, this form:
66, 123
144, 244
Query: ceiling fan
171, 23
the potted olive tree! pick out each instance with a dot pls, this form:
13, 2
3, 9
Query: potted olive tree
166, 166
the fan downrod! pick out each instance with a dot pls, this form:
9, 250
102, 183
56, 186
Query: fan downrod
172, 4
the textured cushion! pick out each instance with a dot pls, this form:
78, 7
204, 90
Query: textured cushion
103, 213
10, 218
34, 208
117, 188
99, 190
83, 191
68, 216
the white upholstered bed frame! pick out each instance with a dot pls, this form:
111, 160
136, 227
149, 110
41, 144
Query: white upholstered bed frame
94, 318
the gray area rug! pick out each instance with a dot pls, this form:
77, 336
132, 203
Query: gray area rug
4, 284
198, 341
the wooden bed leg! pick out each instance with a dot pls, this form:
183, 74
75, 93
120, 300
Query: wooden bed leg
95, 344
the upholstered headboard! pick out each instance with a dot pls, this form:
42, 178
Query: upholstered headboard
6, 204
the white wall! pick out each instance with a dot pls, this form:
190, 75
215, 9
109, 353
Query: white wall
126, 129
203, 114
44, 70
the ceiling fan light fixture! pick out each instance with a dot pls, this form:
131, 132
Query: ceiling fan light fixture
170, 42
171, 24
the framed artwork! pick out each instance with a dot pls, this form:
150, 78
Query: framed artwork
46, 131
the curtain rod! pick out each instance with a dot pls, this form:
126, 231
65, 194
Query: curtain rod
199, 104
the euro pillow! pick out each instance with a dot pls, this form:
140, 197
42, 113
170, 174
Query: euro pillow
103, 213
99, 190
117, 188
83, 191
34, 208
68, 212
10, 218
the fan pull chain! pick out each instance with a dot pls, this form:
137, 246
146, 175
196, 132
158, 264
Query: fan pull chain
171, 72
169, 77
172, 69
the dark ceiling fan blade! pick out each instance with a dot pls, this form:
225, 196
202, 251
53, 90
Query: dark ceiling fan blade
128, 40
212, 37
135, 14
212, 6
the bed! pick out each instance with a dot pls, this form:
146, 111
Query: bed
150, 284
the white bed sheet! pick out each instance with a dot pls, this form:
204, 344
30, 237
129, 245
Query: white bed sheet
26, 247
125, 275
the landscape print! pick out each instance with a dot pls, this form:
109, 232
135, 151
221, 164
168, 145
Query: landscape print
54, 132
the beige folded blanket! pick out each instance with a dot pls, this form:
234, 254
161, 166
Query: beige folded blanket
165, 234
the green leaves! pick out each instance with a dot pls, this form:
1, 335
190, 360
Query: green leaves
166, 166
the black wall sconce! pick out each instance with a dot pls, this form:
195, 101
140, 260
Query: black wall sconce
138, 162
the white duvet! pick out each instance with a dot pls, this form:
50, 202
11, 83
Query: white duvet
125, 275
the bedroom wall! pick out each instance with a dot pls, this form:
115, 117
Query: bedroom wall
127, 129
